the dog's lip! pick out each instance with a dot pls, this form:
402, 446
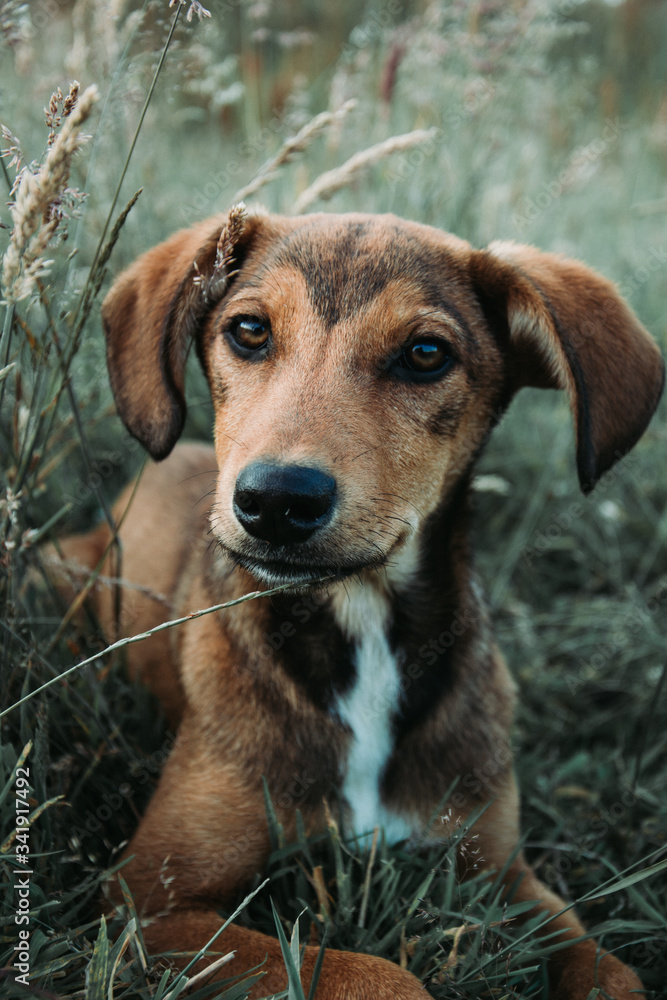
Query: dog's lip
282, 571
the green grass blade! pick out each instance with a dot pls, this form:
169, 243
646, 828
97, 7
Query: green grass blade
98, 970
295, 989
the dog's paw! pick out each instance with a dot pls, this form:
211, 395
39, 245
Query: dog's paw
615, 981
352, 976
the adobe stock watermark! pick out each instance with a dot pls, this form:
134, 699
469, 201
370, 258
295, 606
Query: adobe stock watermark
84, 489
427, 656
563, 11
371, 29
404, 166
235, 171
654, 261
210, 192
549, 536
604, 821
632, 622
307, 605
43, 12
22, 876
550, 191
141, 772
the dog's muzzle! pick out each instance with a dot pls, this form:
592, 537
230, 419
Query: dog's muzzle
283, 504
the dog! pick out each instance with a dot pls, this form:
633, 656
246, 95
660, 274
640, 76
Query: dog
357, 365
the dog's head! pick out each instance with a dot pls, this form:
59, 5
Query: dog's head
357, 364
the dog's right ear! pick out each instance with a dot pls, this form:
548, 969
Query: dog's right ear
563, 326
152, 313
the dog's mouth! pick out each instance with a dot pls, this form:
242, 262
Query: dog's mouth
307, 571
300, 575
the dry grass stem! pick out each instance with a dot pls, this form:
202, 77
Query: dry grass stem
34, 211
289, 149
71, 572
333, 180
208, 971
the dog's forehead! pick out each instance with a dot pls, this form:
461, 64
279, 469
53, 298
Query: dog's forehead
348, 260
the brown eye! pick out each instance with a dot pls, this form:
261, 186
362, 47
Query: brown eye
427, 356
249, 334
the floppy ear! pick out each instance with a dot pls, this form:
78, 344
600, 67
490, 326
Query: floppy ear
563, 326
151, 315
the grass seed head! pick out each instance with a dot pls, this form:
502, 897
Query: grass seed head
324, 186
194, 8
35, 211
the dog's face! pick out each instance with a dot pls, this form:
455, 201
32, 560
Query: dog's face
353, 379
356, 365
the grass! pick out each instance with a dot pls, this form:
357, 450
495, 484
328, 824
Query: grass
538, 137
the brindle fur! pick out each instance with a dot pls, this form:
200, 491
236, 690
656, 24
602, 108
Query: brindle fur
342, 294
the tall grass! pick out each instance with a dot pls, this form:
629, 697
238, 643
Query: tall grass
526, 131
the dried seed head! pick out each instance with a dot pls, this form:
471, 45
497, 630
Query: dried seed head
229, 236
60, 108
324, 186
36, 210
194, 8
13, 151
215, 286
296, 144
15, 27
70, 101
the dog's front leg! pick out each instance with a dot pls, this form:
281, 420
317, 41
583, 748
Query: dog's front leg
578, 968
344, 975
203, 838
575, 969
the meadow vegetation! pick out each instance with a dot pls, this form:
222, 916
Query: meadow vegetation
543, 123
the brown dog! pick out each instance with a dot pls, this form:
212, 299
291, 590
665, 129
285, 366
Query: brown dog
357, 365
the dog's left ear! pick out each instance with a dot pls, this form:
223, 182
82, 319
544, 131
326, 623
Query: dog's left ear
565, 327
153, 312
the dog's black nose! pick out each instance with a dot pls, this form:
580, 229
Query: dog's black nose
283, 504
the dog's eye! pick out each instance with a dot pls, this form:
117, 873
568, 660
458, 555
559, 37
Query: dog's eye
249, 334
427, 356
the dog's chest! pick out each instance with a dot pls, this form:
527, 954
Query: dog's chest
369, 708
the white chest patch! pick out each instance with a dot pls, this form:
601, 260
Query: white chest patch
367, 708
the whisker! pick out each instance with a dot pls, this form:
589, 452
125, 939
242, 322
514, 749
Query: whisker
395, 517
202, 472
209, 494
239, 443
403, 500
366, 452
